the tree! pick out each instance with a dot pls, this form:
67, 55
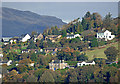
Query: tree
31, 78
111, 53
47, 77
87, 15
64, 33
82, 57
84, 23
33, 57
107, 20
66, 54
94, 42
33, 33
96, 20
31, 45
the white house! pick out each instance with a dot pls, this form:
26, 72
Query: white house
31, 64
0, 75
27, 37
1, 55
86, 63
9, 62
17, 64
107, 35
72, 36
5, 62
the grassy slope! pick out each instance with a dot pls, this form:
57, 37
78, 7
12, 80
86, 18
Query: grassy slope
99, 53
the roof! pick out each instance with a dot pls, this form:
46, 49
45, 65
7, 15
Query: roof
89, 61
6, 38
52, 36
54, 52
25, 49
49, 48
57, 61
70, 35
85, 61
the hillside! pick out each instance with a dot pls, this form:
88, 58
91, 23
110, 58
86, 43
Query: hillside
16, 22
99, 53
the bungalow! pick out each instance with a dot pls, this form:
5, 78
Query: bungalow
107, 35
6, 40
25, 50
70, 36
57, 64
86, 63
116, 62
5, 62
27, 37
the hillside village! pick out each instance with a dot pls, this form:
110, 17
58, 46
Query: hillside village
63, 50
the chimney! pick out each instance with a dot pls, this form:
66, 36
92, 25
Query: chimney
52, 60
62, 61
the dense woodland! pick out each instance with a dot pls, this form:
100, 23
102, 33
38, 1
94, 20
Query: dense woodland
73, 50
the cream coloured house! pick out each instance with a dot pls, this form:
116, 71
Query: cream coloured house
57, 64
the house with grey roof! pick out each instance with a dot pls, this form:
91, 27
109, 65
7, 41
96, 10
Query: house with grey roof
70, 36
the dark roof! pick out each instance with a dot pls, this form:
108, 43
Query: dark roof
70, 35
25, 49
89, 61
56, 61
49, 48
54, 52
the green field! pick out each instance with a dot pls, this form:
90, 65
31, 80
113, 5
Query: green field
99, 53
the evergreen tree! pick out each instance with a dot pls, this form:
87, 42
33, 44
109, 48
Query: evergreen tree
87, 15
64, 33
47, 77
94, 42
111, 53
31, 45
84, 23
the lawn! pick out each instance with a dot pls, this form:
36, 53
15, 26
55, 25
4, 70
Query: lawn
99, 53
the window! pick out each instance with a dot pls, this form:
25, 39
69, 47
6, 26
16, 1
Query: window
109, 36
83, 64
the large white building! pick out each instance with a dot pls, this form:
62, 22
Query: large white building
27, 37
86, 63
107, 35
72, 36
